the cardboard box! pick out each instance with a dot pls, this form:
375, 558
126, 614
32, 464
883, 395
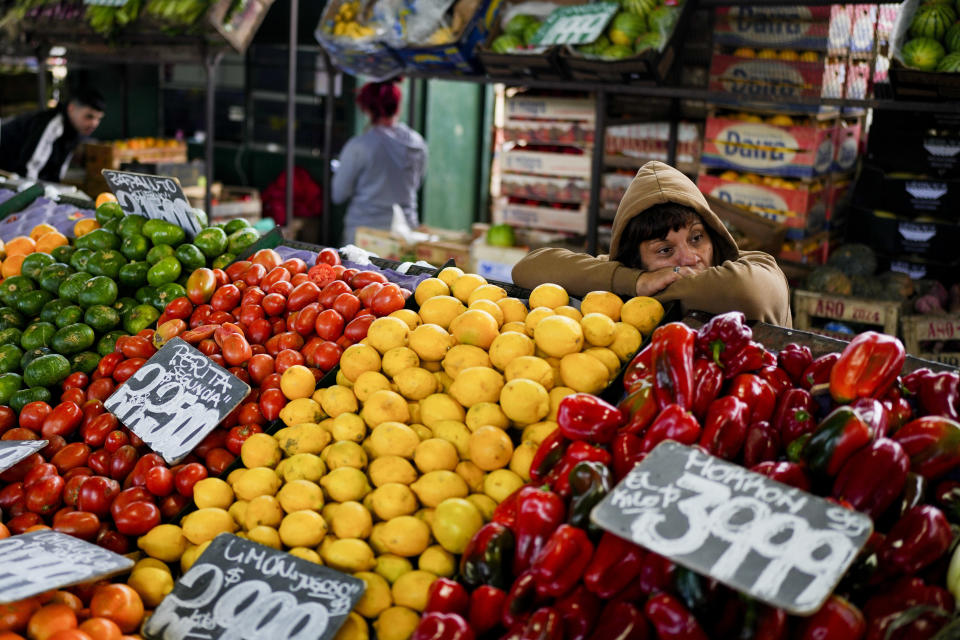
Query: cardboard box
383, 243
819, 28
759, 233
807, 206
570, 132
892, 234
107, 155
795, 151
922, 143
438, 252
188, 173
237, 202
754, 79
909, 195
494, 263
547, 108
650, 140
572, 190
933, 337
614, 186
547, 163
807, 305
523, 215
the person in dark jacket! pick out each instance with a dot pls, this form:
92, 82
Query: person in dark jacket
40, 145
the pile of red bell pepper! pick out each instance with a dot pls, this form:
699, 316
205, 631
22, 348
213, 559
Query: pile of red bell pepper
845, 425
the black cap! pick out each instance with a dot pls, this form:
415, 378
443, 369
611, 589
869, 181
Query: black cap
88, 97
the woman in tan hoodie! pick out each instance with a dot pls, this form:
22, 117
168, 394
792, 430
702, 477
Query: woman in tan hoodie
668, 244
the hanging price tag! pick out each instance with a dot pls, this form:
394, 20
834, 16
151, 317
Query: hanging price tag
43, 560
153, 197
13, 451
580, 24
239, 589
176, 398
772, 541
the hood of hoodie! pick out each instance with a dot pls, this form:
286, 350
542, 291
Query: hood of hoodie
403, 145
659, 183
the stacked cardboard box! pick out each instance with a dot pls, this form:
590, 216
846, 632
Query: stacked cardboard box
545, 163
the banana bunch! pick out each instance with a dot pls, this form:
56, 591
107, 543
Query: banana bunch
106, 19
177, 12
345, 22
443, 35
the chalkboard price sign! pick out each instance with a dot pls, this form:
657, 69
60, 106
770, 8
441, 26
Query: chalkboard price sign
43, 560
240, 589
776, 543
153, 197
176, 398
13, 451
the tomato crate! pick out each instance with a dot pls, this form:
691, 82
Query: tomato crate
549, 132
556, 218
933, 337
573, 190
811, 305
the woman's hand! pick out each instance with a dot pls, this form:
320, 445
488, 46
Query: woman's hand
652, 282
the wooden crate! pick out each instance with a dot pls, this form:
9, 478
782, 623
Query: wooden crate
810, 304
919, 331
107, 156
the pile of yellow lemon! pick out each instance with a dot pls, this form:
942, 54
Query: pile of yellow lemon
434, 420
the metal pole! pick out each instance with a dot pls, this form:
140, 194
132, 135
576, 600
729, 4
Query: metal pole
210, 62
41, 53
291, 107
328, 116
672, 135
596, 173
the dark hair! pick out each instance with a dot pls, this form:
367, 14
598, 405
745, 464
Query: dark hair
88, 97
379, 99
656, 222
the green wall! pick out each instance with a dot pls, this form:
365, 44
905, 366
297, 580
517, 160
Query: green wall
454, 134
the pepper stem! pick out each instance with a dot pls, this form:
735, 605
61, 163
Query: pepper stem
717, 346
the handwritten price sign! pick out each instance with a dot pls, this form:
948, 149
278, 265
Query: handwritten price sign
43, 560
176, 398
240, 589
778, 544
153, 197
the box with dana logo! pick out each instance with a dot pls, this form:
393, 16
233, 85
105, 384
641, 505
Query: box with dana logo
801, 205
772, 80
775, 146
790, 28
909, 195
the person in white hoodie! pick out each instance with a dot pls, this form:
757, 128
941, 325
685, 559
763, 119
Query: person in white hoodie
382, 166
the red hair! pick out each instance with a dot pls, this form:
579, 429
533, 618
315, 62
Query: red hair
379, 99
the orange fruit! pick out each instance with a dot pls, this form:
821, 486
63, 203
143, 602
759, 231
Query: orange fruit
106, 196
4, 532
21, 245
11, 266
70, 634
15, 615
50, 241
10, 635
85, 226
49, 619
41, 229
120, 603
101, 629
67, 598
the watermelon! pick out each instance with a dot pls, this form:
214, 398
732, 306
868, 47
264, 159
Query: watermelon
617, 52
530, 31
663, 19
646, 41
922, 53
505, 43
639, 7
626, 27
596, 47
932, 22
517, 24
949, 63
952, 40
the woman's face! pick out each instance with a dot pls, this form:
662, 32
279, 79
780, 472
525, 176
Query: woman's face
686, 247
